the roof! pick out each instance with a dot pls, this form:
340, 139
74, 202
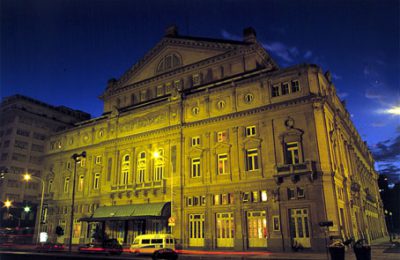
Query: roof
132, 211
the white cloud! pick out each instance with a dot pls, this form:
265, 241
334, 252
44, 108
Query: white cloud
307, 54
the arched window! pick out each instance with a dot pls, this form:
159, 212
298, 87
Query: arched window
169, 62
141, 167
159, 165
125, 166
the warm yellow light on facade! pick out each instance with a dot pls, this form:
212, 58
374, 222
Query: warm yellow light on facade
156, 154
27, 177
7, 204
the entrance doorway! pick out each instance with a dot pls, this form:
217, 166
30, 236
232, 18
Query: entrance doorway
225, 230
257, 228
299, 227
196, 230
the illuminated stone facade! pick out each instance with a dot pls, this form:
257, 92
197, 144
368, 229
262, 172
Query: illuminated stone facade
255, 155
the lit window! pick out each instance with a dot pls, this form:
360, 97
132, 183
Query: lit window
217, 199
83, 162
196, 141
125, 169
195, 167
275, 91
264, 196
222, 136
96, 181
141, 167
285, 88
80, 183
66, 185
295, 86
250, 131
159, 165
255, 195
224, 199
292, 153
222, 163
252, 159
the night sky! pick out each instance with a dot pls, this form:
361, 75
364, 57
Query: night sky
63, 52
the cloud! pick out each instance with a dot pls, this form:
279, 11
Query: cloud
388, 150
391, 171
307, 54
336, 76
342, 95
230, 36
378, 124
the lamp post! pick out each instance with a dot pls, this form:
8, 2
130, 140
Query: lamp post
77, 158
28, 177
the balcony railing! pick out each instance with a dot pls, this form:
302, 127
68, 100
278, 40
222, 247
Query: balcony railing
286, 169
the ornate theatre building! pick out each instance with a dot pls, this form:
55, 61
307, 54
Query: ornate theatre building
211, 140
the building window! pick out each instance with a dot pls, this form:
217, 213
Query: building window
196, 79
295, 86
217, 199
246, 196
159, 165
168, 62
178, 84
96, 181
276, 223
50, 186
264, 196
255, 196
275, 91
291, 193
222, 163
80, 182
82, 162
252, 159
196, 141
292, 153
222, 136
285, 89
195, 110
300, 192
68, 165
220, 104
141, 168
160, 90
189, 201
125, 167
66, 185
98, 159
195, 167
250, 131
248, 98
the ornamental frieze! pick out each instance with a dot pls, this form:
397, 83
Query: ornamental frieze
144, 122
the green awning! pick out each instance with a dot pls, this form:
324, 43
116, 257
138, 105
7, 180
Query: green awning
131, 211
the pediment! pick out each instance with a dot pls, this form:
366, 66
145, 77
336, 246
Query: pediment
252, 142
189, 52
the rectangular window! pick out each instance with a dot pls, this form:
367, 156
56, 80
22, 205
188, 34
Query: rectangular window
66, 185
295, 86
109, 169
246, 197
222, 163
217, 199
158, 172
285, 88
292, 153
300, 192
252, 159
195, 167
195, 201
255, 196
96, 181
80, 182
50, 186
22, 132
196, 141
98, 159
291, 193
276, 224
178, 84
250, 131
196, 79
221, 136
190, 201
160, 90
275, 91
224, 199
21, 144
264, 196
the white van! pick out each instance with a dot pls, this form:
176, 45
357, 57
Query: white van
148, 244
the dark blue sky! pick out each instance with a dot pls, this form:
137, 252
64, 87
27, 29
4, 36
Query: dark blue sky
63, 52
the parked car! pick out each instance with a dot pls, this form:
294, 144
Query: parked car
109, 246
150, 243
165, 253
50, 247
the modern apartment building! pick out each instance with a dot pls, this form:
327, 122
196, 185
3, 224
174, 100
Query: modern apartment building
25, 123
211, 140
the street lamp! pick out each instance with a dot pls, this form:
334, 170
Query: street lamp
28, 177
7, 204
171, 221
77, 158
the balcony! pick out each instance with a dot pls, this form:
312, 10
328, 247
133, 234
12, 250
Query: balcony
294, 171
